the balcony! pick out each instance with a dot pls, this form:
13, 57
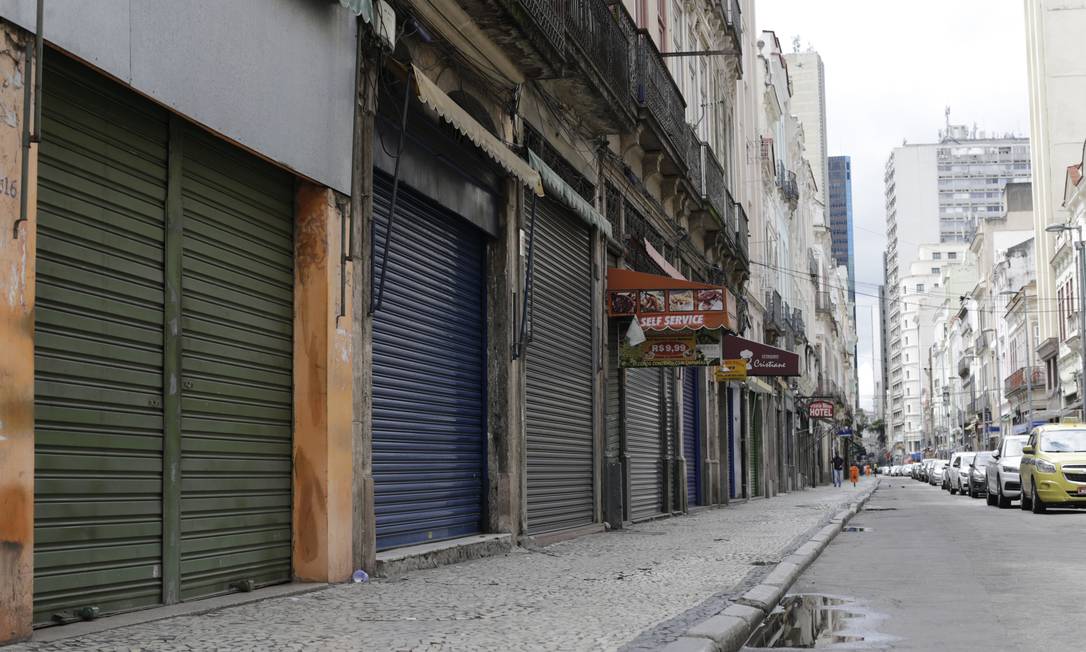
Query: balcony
1070, 329
774, 313
1022, 380
659, 103
578, 49
744, 235
734, 18
822, 303
532, 32
798, 325
964, 366
596, 79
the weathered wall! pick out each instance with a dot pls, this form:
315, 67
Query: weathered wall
17, 347
227, 66
323, 404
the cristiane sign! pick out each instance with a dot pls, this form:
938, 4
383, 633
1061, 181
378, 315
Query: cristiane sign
762, 359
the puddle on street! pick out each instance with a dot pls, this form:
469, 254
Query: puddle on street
807, 621
854, 528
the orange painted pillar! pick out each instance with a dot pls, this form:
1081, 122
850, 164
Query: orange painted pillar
16, 357
323, 404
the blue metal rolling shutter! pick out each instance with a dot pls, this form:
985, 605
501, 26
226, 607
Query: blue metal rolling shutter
558, 400
429, 374
691, 447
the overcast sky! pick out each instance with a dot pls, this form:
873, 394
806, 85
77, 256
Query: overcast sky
891, 69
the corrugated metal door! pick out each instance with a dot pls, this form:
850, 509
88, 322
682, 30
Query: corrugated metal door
98, 347
558, 400
237, 306
644, 416
691, 447
429, 374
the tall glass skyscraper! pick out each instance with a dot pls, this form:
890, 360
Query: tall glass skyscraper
839, 198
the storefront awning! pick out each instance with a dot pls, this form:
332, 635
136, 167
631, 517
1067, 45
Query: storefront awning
662, 303
447, 108
759, 386
556, 185
762, 359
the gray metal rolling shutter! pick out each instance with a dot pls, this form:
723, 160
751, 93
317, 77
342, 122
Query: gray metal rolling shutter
98, 347
429, 375
691, 438
560, 375
644, 450
237, 312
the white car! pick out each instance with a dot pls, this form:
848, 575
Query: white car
958, 472
1003, 481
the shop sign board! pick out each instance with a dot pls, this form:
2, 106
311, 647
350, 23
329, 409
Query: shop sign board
820, 410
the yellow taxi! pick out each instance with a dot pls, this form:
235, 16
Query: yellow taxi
1053, 467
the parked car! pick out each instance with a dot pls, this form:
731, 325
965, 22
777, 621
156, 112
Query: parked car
958, 470
1053, 467
977, 483
1003, 480
937, 473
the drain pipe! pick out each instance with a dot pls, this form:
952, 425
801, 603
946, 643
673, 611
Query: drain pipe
36, 61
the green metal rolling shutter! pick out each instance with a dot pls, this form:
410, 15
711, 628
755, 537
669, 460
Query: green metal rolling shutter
98, 347
558, 400
237, 352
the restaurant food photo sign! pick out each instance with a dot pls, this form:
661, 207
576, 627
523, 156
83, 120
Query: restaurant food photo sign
674, 322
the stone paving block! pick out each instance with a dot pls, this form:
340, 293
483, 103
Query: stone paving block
751, 615
783, 575
809, 548
690, 644
728, 632
763, 596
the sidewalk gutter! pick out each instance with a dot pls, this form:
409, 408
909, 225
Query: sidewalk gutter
730, 629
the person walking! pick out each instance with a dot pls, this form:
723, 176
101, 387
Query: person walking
838, 469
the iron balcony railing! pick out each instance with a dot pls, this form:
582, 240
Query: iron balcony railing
964, 365
822, 302
596, 37
547, 16
716, 189
744, 226
735, 20
789, 186
694, 161
1016, 382
658, 94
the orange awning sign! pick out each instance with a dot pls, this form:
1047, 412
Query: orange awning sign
663, 303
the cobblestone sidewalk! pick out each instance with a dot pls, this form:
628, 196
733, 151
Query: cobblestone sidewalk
638, 589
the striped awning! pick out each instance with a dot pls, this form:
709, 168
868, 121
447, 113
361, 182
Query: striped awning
454, 114
557, 186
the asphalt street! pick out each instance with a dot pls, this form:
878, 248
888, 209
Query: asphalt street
931, 571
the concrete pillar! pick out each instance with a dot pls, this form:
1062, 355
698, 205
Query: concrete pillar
323, 452
363, 518
504, 404
17, 344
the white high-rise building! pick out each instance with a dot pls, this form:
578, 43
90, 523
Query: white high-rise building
809, 106
936, 193
1057, 95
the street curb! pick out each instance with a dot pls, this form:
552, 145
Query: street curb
730, 629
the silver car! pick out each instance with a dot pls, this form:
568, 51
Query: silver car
958, 472
1003, 481
937, 473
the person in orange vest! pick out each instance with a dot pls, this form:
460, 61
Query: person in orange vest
854, 474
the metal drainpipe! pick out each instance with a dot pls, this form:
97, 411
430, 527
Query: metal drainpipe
39, 49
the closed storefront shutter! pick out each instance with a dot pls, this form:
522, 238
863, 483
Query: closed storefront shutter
98, 348
559, 375
691, 444
237, 349
429, 374
111, 530
644, 448
755, 456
